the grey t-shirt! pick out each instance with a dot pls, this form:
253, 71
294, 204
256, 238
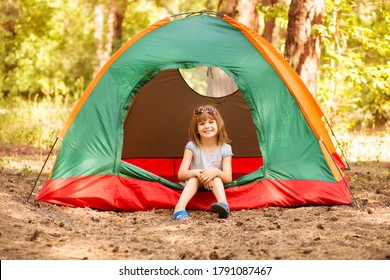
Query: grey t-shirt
203, 160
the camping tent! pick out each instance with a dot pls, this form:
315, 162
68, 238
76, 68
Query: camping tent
122, 144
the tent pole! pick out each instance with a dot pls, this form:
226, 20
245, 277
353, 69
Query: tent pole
39, 175
188, 14
338, 144
341, 174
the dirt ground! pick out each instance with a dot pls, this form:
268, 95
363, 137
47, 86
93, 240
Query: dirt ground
41, 231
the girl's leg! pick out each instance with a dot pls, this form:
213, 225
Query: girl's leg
219, 190
221, 207
188, 192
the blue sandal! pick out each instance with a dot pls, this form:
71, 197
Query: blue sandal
181, 215
222, 209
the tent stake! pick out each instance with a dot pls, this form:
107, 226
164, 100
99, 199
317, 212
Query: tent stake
341, 174
39, 175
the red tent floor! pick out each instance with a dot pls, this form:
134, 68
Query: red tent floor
116, 193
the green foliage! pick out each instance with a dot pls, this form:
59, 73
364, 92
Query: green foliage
279, 12
49, 47
354, 89
45, 47
354, 75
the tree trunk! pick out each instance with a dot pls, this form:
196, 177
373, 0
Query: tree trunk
10, 15
101, 54
302, 44
269, 24
108, 30
119, 15
245, 11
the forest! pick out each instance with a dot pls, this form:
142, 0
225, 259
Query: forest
51, 50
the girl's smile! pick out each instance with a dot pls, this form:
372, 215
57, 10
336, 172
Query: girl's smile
208, 128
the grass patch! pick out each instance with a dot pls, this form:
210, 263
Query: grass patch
32, 122
366, 146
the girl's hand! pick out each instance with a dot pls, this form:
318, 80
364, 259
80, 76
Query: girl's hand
207, 175
197, 173
209, 185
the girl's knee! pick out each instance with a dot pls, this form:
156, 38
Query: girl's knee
194, 182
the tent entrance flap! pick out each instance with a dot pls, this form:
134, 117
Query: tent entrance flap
132, 171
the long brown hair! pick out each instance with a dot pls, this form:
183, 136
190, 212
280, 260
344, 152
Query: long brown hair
222, 136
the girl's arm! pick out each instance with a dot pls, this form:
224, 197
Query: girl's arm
225, 174
184, 171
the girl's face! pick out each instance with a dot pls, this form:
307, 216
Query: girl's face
207, 128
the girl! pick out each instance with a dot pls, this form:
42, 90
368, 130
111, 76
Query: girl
207, 161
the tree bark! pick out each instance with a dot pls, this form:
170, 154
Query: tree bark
101, 55
269, 24
108, 30
119, 15
302, 43
9, 21
245, 11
